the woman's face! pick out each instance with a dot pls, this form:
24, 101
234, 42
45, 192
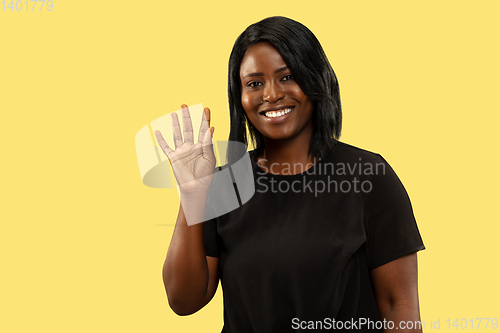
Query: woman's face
272, 99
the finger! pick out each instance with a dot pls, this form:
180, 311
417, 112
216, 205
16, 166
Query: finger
163, 144
205, 124
207, 142
177, 130
207, 138
187, 125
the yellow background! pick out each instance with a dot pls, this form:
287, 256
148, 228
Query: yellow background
83, 240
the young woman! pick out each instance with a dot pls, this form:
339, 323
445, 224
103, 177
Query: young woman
328, 241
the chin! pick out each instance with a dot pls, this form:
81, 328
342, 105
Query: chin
278, 136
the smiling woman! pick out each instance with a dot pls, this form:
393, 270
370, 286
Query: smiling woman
273, 101
336, 249
295, 47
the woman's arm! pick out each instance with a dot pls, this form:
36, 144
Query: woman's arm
396, 291
190, 277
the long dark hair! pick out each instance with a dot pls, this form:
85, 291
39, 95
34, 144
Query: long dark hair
306, 59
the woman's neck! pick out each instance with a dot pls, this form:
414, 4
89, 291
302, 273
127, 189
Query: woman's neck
286, 157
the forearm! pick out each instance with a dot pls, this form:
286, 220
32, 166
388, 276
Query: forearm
185, 271
404, 315
396, 290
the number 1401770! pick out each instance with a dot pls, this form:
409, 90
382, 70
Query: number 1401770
28, 5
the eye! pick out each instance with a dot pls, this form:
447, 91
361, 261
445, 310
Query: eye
288, 77
253, 84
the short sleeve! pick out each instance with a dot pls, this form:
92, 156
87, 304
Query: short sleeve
391, 228
211, 238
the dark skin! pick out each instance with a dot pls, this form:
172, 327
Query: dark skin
396, 290
190, 277
268, 85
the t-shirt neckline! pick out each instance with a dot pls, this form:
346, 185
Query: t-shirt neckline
261, 172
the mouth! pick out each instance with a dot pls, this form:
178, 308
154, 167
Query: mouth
276, 113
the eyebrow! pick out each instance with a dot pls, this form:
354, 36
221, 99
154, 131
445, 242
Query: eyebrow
281, 69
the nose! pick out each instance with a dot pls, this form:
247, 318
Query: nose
273, 92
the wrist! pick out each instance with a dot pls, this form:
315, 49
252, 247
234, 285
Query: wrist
194, 206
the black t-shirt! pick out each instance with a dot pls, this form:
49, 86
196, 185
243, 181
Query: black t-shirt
300, 251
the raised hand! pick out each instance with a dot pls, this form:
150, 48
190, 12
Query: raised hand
193, 163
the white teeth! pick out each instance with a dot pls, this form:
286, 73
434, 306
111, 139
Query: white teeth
273, 114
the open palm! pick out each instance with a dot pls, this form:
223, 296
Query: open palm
193, 163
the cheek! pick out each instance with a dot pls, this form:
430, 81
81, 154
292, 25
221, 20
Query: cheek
298, 93
301, 97
247, 101
246, 104
244, 101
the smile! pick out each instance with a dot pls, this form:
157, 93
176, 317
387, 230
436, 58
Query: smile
277, 113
